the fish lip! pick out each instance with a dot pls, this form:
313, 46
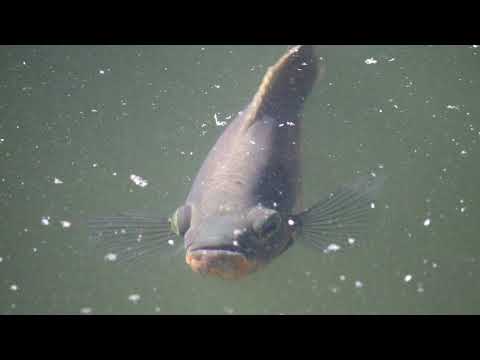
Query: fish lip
212, 261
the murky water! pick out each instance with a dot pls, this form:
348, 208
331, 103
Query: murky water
76, 122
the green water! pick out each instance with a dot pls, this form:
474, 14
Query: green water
90, 116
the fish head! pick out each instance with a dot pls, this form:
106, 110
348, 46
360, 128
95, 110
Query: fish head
235, 244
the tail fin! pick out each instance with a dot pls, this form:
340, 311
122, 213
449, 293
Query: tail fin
285, 86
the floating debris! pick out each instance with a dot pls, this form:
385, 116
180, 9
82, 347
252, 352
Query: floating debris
86, 310
65, 224
219, 123
57, 181
426, 222
14, 287
332, 248
134, 298
370, 61
45, 220
358, 284
171, 242
138, 180
407, 278
110, 257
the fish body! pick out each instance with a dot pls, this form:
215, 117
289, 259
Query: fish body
243, 209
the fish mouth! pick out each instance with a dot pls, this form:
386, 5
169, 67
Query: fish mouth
226, 263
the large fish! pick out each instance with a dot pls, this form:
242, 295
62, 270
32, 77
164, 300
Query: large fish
243, 208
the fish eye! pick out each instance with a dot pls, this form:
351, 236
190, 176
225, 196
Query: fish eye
180, 220
266, 227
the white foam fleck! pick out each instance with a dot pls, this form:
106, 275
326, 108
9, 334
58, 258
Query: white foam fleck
332, 248
358, 284
370, 61
237, 232
134, 298
463, 209
351, 240
101, 72
86, 310
2, 140
45, 220
235, 243
464, 152
252, 142
453, 107
138, 180
342, 277
218, 123
65, 224
94, 110
14, 287
171, 242
1, 259
110, 257
372, 205
57, 181
407, 278
426, 222
291, 222
94, 165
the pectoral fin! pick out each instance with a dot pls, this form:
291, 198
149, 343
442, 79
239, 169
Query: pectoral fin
341, 216
130, 235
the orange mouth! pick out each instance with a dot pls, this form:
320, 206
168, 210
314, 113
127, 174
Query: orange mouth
222, 263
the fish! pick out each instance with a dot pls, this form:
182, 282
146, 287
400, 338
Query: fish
244, 208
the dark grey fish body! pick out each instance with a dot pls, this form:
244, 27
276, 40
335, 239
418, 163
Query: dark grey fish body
242, 210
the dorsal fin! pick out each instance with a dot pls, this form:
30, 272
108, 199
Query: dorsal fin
284, 87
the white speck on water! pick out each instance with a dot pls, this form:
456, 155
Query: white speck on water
203, 125
462, 209
34, 249
171, 242
94, 110
134, 298
101, 72
110, 257
237, 232
380, 110
372, 205
2, 140
218, 123
45, 220
407, 278
217, 86
426, 222
65, 224
57, 181
1, 259
392, 59
351, 240
358, 284
453, 107
370, 61
373, 174
114, 173
342, 277
94, 165
463, 152
420, 288
332, 248
157, 309
235, 243
434, 265
275, 204
252, 142
86, 310
228, 310
138, 180
281, 125
289, 123
14, 287
291, 222
25, 230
